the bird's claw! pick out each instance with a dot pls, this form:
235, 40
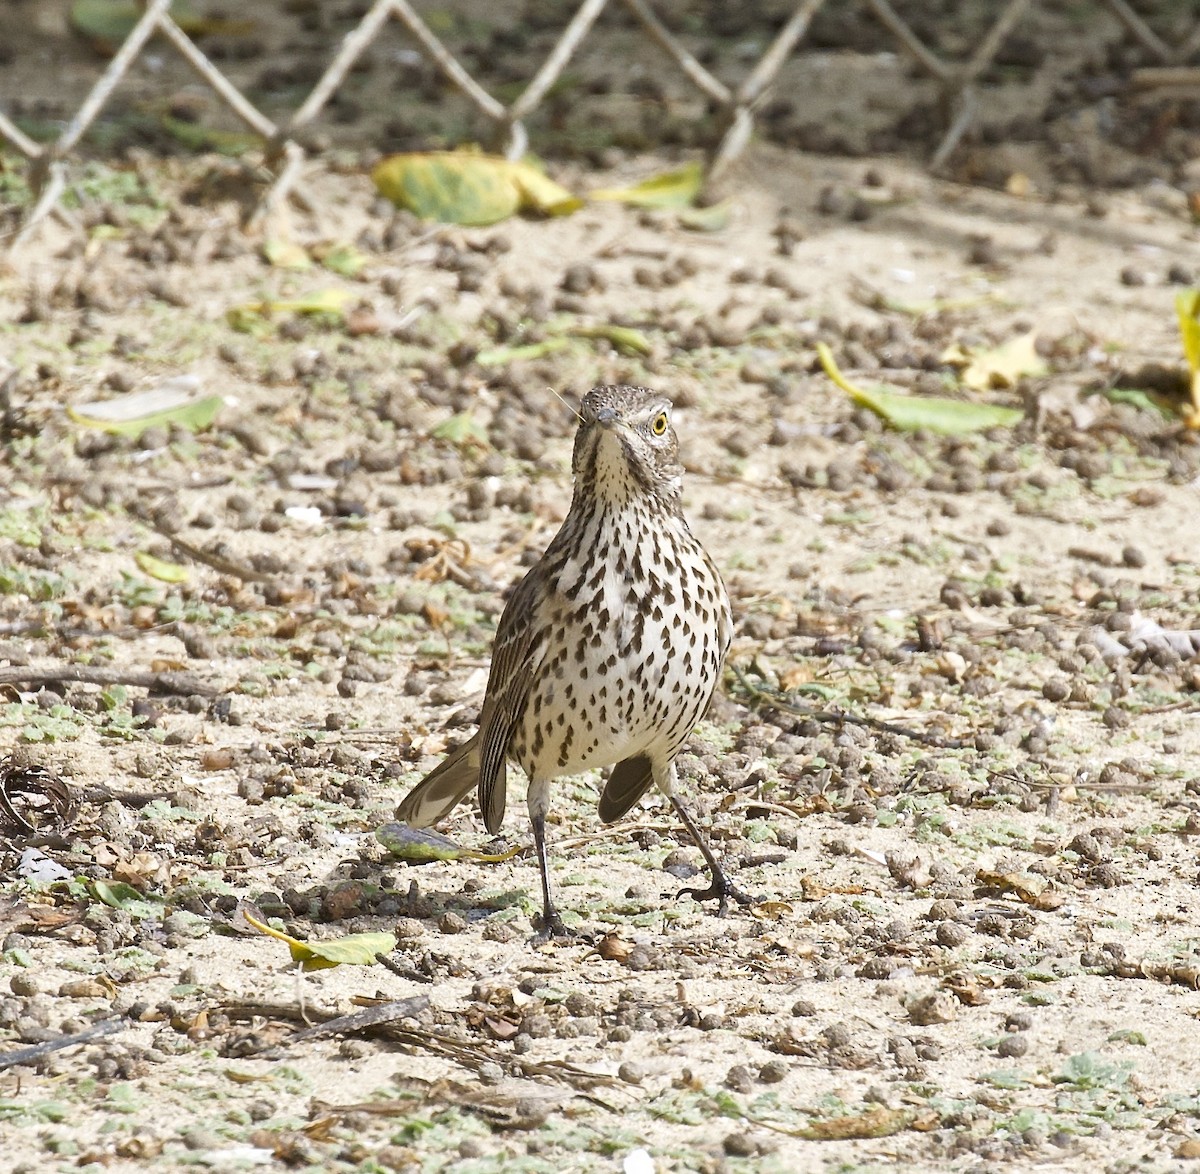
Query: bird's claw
723, 890
554, 929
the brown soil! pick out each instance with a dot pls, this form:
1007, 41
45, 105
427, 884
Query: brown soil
976, 941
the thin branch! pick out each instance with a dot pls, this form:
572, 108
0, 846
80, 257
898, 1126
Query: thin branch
545, 77
699, 75
772, 60
354, 43
254, 118
35, 1052
1142, 31
82, 674
911, 42
769, 698
990, 45
19, 139
141, 32
442, 58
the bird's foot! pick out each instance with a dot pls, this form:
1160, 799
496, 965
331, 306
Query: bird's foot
553, 928
723, 890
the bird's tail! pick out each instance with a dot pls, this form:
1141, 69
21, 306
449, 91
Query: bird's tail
443, 788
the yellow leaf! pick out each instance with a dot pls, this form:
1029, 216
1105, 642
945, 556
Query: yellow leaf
672, 189
160, 569
250, 317
285, 254
357, 949
463, 187
1005, 365
1187, 306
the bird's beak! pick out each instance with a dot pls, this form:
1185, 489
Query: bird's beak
606, 417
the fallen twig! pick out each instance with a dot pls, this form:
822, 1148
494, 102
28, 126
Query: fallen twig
759, 696
37, 1051
465, 1052
88, 674
218, 562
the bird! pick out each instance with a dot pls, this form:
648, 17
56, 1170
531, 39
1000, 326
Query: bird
609, 650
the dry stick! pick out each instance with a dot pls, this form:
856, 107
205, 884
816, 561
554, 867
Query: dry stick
465, 1052
1189, 48
954, 133
763, 74
19, 139
990, 45
254, 118
353, 45
1158, 76
84, 674
772, 700
735, 139
545, 77
225, 565
54, 185
911, 42
1138, 27
442, 58
141, 32
699, 75
379, 1016
37, 1051
287, 182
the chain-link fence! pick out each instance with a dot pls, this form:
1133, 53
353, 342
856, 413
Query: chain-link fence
1167, 44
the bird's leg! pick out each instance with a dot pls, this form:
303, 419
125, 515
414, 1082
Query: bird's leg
722, 888
539, 800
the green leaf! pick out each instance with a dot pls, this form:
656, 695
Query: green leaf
114, 697
463, 187
1144, 401
285, 254
119, 895
422, 846
500, 355
251, 317
1092, 1070
160, 569
357, 949
345, 260
672, 189
174, 403
461, 429
711, 219
1005, 1078
947, 417
627, 340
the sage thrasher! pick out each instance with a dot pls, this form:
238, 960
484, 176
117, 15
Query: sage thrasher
608, 651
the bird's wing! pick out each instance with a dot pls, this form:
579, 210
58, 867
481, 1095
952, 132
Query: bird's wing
517, 654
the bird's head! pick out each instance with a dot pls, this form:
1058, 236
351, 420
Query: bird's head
626, 447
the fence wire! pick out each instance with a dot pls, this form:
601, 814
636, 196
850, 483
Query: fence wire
957, 81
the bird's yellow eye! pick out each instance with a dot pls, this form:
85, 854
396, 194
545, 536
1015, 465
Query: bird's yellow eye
659, 424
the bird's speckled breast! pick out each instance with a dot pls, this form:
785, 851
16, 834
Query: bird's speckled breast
638, 625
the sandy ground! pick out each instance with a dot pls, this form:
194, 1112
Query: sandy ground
975, 945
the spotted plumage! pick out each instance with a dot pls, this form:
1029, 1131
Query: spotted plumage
610, 648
